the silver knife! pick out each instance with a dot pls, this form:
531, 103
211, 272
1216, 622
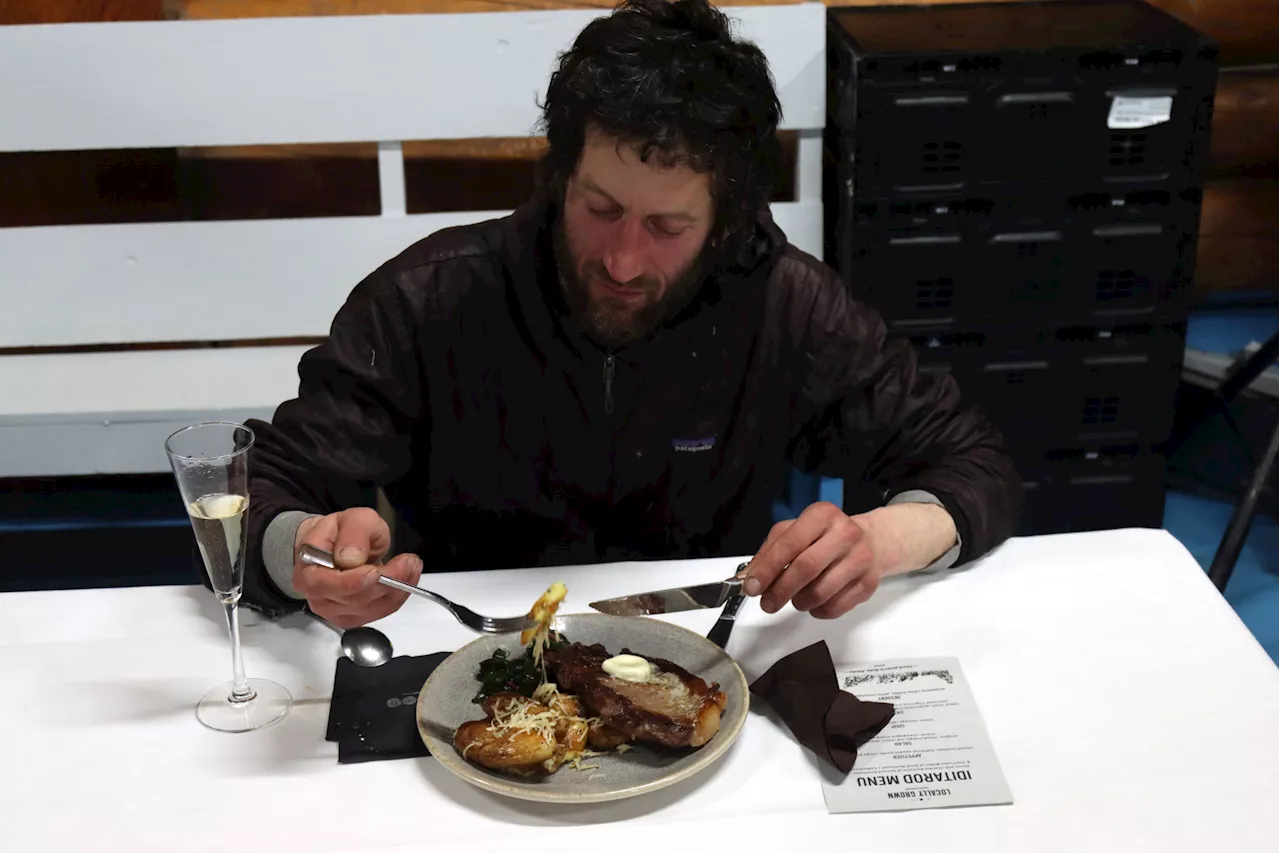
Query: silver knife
719, 633
677, 600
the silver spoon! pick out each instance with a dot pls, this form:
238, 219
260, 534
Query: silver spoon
363, 646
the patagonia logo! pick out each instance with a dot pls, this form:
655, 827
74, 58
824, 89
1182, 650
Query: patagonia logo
693, 445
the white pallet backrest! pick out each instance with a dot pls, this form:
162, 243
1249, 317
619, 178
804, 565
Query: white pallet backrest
380, 78
383, 79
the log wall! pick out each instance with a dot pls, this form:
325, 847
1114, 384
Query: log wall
1238, 238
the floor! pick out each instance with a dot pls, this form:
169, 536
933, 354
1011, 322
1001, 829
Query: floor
1253, 590
1199, 523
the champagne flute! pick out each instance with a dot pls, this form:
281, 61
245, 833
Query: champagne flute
210, 461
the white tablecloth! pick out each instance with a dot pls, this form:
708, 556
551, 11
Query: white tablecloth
1129, 706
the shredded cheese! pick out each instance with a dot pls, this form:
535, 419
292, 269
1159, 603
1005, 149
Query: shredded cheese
547, 692
518, 716
575, 759
543, 613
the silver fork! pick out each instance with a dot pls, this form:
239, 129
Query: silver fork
465, 615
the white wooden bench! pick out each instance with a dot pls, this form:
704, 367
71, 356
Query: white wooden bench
383, 78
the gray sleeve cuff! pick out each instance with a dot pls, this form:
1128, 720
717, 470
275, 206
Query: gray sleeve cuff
277, 550
920, 496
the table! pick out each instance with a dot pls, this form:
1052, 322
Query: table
1129, 706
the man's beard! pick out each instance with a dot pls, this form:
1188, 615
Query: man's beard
613, 322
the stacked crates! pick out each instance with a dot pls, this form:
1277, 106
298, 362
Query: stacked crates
1016, 187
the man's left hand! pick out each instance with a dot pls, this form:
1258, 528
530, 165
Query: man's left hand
826, 563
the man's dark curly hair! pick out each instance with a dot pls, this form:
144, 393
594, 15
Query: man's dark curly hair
670, 78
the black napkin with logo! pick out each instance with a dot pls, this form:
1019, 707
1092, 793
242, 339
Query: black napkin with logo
373, 714
802, 687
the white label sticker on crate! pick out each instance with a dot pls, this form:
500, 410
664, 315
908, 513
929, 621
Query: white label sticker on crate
1129, 113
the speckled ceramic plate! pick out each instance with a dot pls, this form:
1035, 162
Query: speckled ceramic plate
445, 703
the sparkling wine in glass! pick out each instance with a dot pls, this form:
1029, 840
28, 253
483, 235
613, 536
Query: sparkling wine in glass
211, 464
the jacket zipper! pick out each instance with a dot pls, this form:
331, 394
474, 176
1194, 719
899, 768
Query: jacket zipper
608, 385
607, 375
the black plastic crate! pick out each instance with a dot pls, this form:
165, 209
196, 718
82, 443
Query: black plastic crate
1092, 489
954, 97
954, 260
1065, 387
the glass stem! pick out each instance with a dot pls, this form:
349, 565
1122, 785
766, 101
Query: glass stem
240, 690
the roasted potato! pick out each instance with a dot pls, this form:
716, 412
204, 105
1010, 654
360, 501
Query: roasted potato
566, 705
571, 739
518, 751
543, 611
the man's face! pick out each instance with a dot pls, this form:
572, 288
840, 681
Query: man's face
629, 243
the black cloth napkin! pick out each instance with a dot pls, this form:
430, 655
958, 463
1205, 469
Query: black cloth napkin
373, 712
833, 723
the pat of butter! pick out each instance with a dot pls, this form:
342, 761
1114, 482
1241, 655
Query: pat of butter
628, 668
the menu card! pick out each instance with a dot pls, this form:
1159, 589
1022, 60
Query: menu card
934, 753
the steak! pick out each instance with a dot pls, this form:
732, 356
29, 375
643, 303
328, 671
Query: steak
674, 708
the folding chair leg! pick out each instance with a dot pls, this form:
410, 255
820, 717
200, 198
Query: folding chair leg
1224, 562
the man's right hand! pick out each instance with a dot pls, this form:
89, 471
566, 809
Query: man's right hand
351, 595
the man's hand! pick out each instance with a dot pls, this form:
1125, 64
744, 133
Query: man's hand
827, 563
352, 596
